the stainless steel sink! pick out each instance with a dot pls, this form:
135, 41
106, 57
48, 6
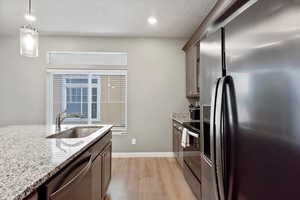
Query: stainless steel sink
76, 132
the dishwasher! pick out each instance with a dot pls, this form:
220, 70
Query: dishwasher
74, 182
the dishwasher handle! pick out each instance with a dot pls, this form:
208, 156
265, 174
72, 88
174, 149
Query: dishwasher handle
67, 187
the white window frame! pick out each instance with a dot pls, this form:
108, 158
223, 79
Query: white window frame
51, 72
119, 59
89, 86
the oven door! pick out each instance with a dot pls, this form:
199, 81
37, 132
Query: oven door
192, 155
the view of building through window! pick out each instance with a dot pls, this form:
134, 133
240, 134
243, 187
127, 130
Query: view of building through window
76, 91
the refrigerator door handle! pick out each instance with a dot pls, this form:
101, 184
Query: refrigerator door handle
219, 145
232, 122
213, 135
225, 132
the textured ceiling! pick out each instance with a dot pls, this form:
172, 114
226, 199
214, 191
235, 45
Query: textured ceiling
176, 18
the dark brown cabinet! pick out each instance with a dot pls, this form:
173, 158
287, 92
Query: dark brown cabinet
175, 141
87, 177
106, 168
97, 178
177, 148
32, 196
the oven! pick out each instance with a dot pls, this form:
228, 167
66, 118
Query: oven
192, 153
192, 158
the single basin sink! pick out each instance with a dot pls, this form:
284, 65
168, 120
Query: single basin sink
76, 132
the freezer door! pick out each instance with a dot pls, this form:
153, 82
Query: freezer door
263, 58
210, 65
210, 71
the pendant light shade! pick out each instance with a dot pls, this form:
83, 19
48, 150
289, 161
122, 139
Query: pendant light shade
29, 41
29, 36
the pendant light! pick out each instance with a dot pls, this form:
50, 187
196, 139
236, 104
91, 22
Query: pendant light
29, 36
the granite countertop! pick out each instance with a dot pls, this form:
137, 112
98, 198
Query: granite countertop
28, 158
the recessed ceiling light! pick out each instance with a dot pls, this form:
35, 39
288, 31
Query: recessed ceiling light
152, 20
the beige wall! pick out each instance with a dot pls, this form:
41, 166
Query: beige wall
156, 85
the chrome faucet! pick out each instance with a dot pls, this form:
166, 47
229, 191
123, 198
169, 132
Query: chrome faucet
61, 116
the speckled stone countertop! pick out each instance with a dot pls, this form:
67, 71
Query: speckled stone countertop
28, 158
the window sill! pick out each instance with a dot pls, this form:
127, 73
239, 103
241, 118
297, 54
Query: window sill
120, 133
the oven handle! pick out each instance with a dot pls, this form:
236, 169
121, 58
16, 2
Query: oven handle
193, 134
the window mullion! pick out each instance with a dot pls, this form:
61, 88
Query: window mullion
90, 98
99, 99
64, 95
81, 100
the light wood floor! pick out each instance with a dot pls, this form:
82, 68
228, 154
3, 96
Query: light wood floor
147, 179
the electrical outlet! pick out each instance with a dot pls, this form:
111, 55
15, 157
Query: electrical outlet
133, 141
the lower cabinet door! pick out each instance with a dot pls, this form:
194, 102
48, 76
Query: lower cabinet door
106, 168
180, 150
97, 178
175, 143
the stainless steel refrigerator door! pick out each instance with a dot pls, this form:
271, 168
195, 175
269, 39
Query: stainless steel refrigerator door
210, 65
263, 57
210, 71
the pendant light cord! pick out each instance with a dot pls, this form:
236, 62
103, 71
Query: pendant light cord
30, 7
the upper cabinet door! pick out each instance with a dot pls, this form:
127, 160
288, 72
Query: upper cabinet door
192, 72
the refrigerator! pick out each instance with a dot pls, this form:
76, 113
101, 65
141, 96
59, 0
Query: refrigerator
250, 78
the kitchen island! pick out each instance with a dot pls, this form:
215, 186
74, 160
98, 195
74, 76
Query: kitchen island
28, 159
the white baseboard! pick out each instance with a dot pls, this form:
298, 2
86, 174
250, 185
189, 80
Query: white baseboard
143, 155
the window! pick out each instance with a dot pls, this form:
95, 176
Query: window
100, 97
75, 92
